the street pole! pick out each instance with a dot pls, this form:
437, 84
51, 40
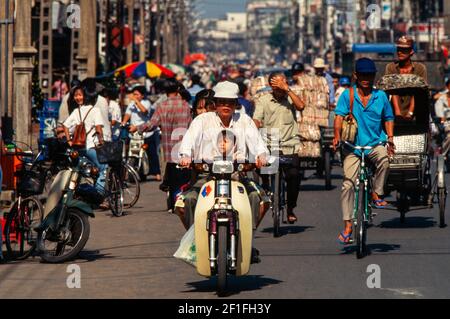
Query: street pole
130, 6
5, 58
142, 30
300, 27
23, 72
158, 31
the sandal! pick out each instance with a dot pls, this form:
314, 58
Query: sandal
291, 218
345, 238
377, 203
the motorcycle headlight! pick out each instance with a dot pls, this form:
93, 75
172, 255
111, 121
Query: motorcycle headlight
90, 170
223, 167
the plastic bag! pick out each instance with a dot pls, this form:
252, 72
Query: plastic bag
187, 252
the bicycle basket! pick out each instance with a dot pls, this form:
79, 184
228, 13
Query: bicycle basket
109, 152
30, 181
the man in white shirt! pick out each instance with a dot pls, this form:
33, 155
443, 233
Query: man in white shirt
139, 112
115, 113
442, 107
200, 142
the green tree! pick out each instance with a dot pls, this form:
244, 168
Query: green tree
278, 36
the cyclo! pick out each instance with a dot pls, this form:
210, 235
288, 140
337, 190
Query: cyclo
410, 168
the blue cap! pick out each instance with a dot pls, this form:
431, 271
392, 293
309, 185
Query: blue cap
344, 81
365, 65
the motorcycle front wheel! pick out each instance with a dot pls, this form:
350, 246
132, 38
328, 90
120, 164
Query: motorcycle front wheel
222, 260
65, 243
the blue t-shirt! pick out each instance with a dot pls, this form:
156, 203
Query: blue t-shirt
370, 119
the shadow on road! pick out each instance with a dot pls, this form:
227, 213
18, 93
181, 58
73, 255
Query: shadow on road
93, 255
286, 230
315, 188
377, 248
410, 222
236, 285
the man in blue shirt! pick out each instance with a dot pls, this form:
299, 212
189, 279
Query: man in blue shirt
372, 111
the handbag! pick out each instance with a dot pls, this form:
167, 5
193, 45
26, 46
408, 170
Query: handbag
79, 134
349, 125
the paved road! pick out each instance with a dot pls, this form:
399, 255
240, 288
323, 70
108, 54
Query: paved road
131, 257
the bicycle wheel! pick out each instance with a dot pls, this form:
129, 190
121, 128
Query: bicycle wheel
361, 223
276, 206
115, 193
20, 237
130, 186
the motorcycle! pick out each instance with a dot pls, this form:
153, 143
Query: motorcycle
137, 155
223, 223
65, 229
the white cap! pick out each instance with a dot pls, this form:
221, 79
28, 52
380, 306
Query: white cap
319, 63
226, 90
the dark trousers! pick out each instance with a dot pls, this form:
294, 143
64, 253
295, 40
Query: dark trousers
152, 153
175, 178
291, 171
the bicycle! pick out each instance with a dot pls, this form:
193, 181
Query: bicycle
129, 176
278, 186
362, 211
27, 211
120, 179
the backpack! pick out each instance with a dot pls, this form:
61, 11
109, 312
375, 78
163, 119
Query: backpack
79, 134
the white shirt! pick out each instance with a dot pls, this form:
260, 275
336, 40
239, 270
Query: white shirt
102, 105
200, 140
115, 114
93, 119
442, 108
339, 91
137, 117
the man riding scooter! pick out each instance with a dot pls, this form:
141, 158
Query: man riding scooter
201, 144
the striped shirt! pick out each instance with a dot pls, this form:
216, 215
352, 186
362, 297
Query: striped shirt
173, 116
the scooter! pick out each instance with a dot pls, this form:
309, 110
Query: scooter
65, 229
137, 155
223, 223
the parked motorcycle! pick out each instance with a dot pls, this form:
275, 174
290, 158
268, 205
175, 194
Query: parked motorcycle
137, 155
65, 228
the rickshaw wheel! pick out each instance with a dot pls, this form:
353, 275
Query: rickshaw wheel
442, 196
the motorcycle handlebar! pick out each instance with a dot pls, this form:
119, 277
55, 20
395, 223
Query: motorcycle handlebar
205, 167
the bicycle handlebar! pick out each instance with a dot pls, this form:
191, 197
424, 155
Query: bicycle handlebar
360, 148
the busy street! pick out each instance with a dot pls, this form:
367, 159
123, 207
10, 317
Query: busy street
195, 149
132, 257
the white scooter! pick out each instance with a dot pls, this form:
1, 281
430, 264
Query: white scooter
223, 223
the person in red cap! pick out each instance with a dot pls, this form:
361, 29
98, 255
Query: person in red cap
404, 106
